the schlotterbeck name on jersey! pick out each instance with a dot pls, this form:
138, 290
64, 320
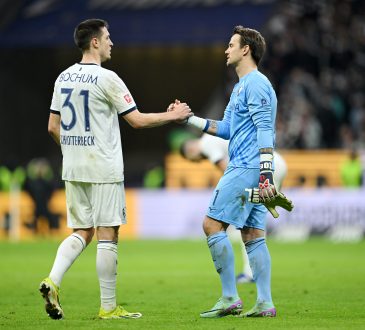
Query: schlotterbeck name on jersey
77, 140
81, 78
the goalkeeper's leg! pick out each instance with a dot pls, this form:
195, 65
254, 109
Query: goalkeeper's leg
260, 262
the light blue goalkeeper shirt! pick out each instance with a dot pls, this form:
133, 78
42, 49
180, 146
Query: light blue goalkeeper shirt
249, 120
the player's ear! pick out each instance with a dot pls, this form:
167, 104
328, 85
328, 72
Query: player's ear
245, 50
94, 42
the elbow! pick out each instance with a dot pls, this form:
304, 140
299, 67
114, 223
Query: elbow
223, 130
226, 137
137, 125
224, 134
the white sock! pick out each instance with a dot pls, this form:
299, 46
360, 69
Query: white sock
106, 267
67, 253
246, 262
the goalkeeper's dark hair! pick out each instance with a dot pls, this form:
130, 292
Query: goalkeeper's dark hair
86, 30
254, 40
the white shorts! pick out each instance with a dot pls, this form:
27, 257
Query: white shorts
95, 204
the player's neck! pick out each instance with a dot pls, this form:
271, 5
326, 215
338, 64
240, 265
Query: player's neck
245, 68
90, 58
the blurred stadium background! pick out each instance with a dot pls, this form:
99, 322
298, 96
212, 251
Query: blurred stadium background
167, 49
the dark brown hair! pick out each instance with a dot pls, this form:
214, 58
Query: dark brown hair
87, 30
253, 39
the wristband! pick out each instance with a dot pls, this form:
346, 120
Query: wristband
266, 162
197, 122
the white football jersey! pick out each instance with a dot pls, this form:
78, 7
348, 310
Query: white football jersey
89, 99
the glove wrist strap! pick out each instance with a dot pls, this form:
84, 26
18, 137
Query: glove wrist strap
266, 162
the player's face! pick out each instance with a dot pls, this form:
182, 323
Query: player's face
234, 51
105, 45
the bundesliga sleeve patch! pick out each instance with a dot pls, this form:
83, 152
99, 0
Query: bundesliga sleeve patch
128, 98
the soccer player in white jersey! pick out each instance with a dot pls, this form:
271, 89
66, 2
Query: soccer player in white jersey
216, 151
87, 100
249, 125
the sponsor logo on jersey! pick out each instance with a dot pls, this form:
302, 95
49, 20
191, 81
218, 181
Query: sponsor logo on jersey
263, 102
128, 98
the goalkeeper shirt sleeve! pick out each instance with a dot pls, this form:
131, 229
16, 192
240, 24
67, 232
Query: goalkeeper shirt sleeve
258, 93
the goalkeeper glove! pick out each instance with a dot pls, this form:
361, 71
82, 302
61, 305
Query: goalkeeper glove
280, 200
267, 190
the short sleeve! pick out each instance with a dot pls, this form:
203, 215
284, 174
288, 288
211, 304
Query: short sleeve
119, 95
55, 104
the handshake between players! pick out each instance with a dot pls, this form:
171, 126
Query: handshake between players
266, 193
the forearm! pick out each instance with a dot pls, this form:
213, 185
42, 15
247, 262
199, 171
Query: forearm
220, 128
140, 120
212, 127
265, 129
148, 120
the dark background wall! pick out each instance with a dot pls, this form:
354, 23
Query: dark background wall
163, 50
155, 77
167, 49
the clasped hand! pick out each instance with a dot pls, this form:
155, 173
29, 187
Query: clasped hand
175, 106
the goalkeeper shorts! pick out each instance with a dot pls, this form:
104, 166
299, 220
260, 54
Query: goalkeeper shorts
229, 201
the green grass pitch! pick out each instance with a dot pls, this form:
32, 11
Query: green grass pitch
316, 285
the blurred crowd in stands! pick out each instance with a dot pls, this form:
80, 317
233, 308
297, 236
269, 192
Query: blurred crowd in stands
39, 181
316, 61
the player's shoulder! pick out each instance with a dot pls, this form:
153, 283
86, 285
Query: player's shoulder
107, 72
257, 77
256, 80
109, 75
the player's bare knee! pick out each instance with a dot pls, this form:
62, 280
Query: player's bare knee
107, 233
86, 233
212, 226
249, 234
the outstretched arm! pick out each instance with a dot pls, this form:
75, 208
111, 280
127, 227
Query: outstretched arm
146, 120
213, 127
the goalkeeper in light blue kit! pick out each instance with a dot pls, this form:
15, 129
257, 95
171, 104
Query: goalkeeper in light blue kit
248, 124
